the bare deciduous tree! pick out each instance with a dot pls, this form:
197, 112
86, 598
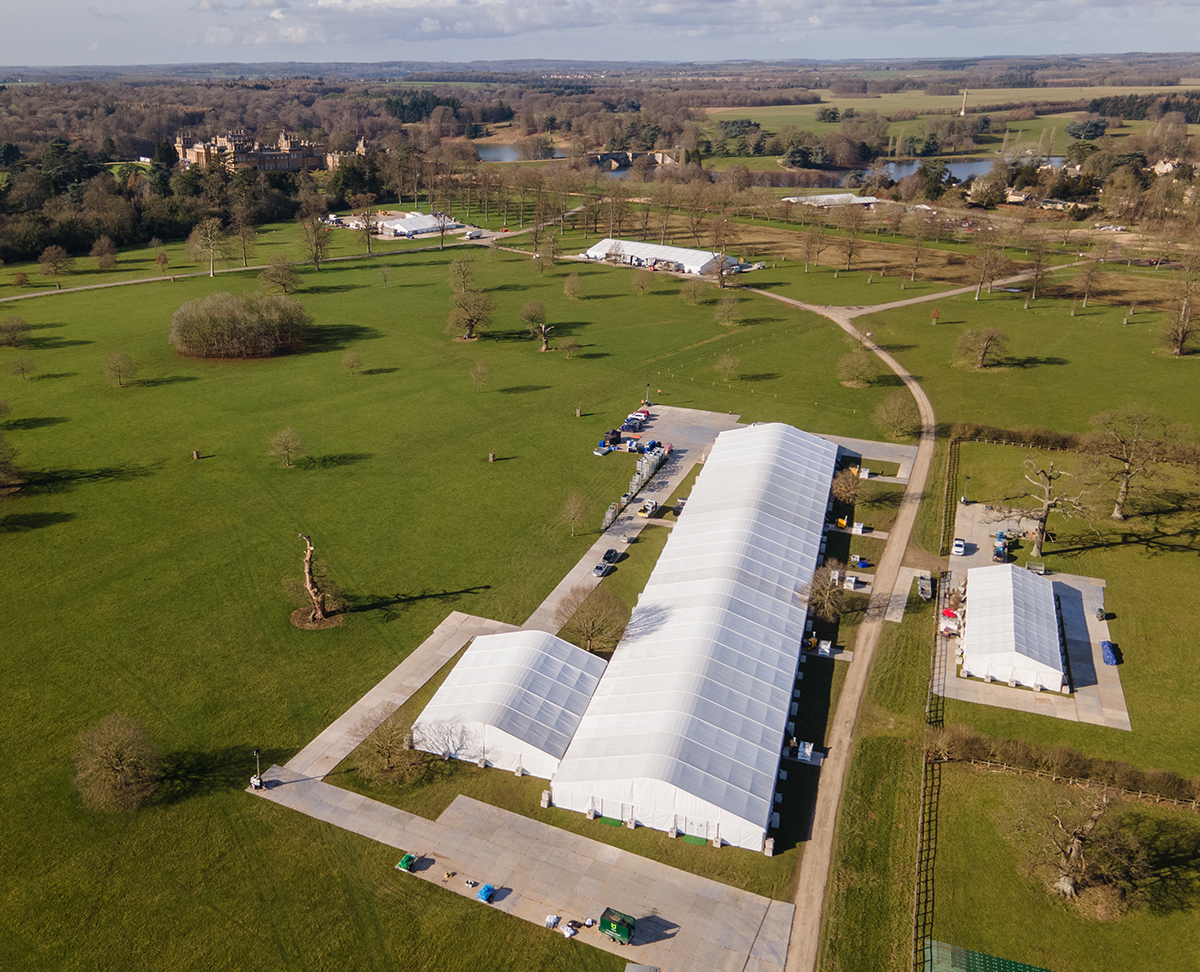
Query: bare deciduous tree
479, 374
286, 444
384, 274
846, 486
461, 274
596, 618
279, 273
728, 310
989, 260
363, 204
118, 368
692, 290
9, 472
815, 241
1039, 266
574, 509
985, 346
824, 591
118, 767
1130, 442
856, 369
851, 221
573, 286
1180, 333
351, 361
22, 368
642, 281
533, 314
470, 314
1086, 279
14, 331
104, 252
55, 262
570, 346
728, 366
1049, 497
314, 238
208, 241
898, 414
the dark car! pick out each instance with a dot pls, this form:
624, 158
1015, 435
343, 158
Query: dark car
611, 556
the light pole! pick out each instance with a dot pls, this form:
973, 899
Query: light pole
256, 779
965, 488
647, 398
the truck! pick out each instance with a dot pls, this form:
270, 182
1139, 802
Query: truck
649, 508
617, 926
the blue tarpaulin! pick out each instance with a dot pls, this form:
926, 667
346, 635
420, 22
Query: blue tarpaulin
1109, 652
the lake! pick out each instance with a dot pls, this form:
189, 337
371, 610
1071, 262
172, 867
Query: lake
506, 153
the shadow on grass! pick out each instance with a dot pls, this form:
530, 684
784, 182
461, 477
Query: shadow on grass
189, 774
24, 522
64, 480
53, 343
50, 376
333, 460
336, 337
1172, 848
380, 371
1034, 361
167, 380
521, 389
752, 321
762, 376
389, 603
591, 355
333, 288
41, 422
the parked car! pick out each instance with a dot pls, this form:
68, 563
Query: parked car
601, 569
611, 556
960, 548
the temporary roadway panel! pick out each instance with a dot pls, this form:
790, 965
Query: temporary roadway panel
513, 700
686, 727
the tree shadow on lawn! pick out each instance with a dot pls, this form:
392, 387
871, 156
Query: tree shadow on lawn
54, 343
41, 422
189, 774
592, 355
50, 376
894, 348
762, 376
24, 522
336, 337
1034, 361
1172, 848
64, 480
380, 371
1170, 540
889, 379
333, 288
167, 380
754, 321
333, 460
388, 603
522, 389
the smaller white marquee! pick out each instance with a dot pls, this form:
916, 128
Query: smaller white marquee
675, 258
418, 224
833, 199
514, 700
1012, 630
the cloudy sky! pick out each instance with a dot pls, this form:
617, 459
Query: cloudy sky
62, 32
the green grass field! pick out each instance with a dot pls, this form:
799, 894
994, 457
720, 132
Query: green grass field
990, 899
151, 583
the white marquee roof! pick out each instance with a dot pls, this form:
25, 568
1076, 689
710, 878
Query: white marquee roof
690, 715
420, 223
632, 250
1012, 626
833, 199
529, 685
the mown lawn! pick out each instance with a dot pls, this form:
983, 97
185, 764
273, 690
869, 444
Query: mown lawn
991, 897
148, 582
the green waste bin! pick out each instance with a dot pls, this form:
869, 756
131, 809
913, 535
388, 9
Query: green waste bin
617, 926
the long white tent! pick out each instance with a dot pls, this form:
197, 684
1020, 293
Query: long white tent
418, 224
514, 700
1012, 630
675, 258
687, 726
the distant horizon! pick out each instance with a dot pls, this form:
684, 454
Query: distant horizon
136, 33
516, 65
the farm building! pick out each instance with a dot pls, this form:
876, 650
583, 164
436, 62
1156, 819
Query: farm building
832, 199
513, 699
417, 224
686, 728
677, 259
1012, 632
